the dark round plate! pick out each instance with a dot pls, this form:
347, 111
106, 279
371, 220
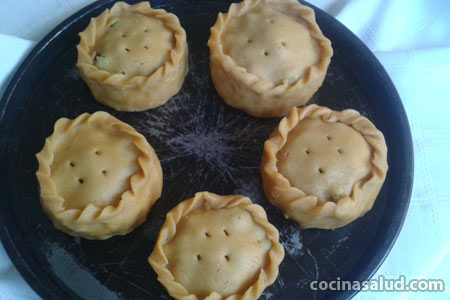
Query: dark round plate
203, 145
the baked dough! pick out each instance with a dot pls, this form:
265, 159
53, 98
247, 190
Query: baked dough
133, 57
217, 247
98, 177
324, 168
268, 56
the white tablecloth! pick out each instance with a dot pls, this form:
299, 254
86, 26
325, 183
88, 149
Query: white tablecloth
411, 38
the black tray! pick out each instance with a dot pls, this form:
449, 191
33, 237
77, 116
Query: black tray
203, 145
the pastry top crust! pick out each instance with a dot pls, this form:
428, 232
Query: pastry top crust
92, 164
215, 247
134, 44
324, 159
270, 44
344, 164
131, 45
206, 253
94, 169
273, 47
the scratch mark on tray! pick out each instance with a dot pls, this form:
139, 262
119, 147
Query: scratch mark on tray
129, 282
316, 268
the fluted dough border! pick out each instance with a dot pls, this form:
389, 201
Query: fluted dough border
306, 209
95, 222
252, 94
209, 201
134, 93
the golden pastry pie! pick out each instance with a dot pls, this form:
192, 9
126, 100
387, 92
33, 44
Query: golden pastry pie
217, 247
268, 56
324, 168
98, 177
133, 57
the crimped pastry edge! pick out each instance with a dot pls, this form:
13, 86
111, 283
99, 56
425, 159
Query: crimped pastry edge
281, 97
141, 89
93, 222
306, 209
209, 201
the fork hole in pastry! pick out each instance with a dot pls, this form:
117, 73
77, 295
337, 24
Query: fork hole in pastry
226, 232
249, 41
340, 150
328, 137
122, 72
321, 171
126, 49
81, 180
97, 152
145, 47
265, 52
271, 21
104, 172
227, 258
71, 164
199, 258
124, 35
287, 153
307, 151
207, 234
283, 43
145, 30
